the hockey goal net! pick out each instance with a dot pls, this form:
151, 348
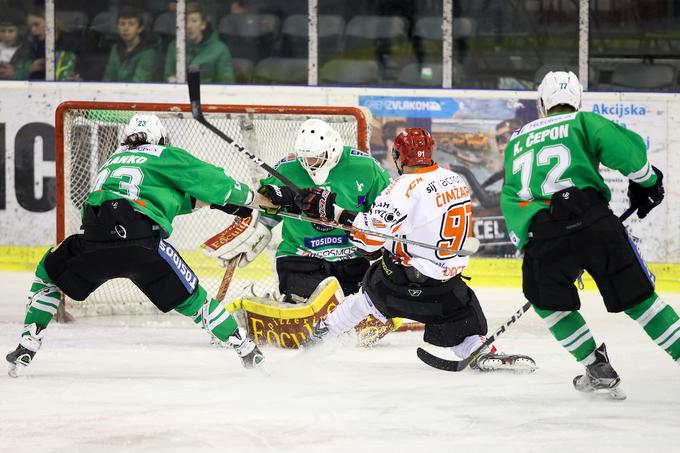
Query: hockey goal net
88, 132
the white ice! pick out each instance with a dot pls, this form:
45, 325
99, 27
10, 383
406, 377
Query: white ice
156, 385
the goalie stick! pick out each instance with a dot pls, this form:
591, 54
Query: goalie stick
470, 246
194, 84
459, 365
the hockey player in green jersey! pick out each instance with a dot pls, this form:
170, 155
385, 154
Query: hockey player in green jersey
127, 217
555, 204
309, 253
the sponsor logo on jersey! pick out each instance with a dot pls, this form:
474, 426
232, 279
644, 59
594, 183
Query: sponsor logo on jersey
358, 153
288, 158
322, 228
185, 274
325, 241
410, 107
619, 110
341, 254
543, 122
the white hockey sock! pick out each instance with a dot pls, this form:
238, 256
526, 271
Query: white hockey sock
465, 347
354, 309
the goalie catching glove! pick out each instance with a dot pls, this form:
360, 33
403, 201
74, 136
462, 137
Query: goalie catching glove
246, 236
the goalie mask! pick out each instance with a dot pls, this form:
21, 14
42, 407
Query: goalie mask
318, 148
558, 88
150, 126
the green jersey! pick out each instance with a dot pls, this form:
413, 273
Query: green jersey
161, 180
561, 151
357, 179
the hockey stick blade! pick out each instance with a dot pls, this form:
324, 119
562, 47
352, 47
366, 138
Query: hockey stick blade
459, 365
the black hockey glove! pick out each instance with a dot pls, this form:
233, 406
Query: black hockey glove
646, 198
282, 196
319, 203
234, 209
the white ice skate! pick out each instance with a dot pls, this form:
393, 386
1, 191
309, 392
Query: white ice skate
28, 346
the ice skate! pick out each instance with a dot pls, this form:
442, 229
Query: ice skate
493, 360
28, 346
600, 377
316, 336
247, 350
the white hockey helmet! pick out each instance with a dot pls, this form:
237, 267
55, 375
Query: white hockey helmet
557, 88
151, 126
318, 148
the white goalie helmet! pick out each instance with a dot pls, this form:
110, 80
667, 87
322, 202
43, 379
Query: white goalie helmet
149, 125
557, 88
318, 148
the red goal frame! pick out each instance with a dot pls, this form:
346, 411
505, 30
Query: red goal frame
358, 113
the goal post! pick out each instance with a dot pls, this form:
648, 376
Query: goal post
88, 132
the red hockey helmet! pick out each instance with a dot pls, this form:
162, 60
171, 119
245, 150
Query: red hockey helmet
414, 146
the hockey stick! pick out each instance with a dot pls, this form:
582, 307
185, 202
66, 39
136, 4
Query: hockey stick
470, 246
226, 279
194, 83
458, 365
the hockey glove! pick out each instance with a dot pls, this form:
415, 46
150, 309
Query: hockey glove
319, 203
646, 198
234, 209
248, 237
282, 196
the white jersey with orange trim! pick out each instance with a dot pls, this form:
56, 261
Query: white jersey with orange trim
431, 206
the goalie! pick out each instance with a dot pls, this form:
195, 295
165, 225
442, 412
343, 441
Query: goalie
128, 215
309, 253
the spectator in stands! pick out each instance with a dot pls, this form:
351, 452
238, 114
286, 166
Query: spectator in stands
136, 57
64, 45
390, 130
15, 56
203, 49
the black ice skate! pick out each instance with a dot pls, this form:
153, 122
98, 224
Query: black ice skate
247, 350
316, 336
23, 355
600, 377
497, 361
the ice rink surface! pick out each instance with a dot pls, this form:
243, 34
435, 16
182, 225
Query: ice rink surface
155, 384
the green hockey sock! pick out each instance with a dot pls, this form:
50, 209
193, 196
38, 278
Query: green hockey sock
43, 299
571, 330
660, 322
209, 313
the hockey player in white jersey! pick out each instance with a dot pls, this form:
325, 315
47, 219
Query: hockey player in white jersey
427, 204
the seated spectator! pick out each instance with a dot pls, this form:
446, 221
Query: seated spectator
64, 45
203, 49
136, 57
15, 55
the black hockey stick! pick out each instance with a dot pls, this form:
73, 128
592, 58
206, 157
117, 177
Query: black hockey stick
459, 365
194, 83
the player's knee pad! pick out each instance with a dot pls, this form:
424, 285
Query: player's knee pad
628, 286
468, 321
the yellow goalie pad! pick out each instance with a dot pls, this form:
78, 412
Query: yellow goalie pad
288, 325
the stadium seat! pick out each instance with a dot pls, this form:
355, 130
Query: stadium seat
350, 72
243, 70
294, 34
165, 24
72, 20
421, 75
644, 77
276, 70
250, 36
104, 23
369, 31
